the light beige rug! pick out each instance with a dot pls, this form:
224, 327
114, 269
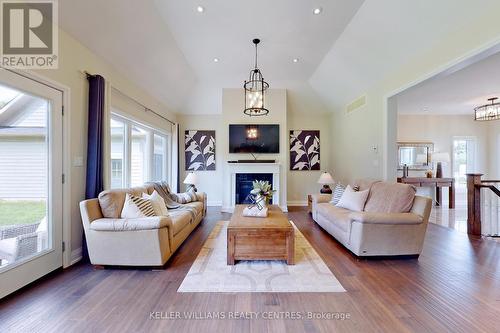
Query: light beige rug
210, 272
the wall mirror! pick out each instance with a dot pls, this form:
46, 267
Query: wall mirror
416, 155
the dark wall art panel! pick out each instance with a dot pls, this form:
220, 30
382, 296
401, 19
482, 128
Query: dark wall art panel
199, 150
304, 150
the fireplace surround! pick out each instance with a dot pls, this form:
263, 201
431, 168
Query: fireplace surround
272, 170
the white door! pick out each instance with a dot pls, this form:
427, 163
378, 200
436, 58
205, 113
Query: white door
30, 180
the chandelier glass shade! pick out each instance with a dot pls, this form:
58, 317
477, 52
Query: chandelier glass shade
255, 89
489, 111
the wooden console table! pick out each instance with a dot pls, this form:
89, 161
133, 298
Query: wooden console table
438, 183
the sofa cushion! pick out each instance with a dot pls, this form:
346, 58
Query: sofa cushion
337, 215
386, 218
197, 205
157, 202
388, 197
180, 219
111, 201
135, 207
143, 223
337, 193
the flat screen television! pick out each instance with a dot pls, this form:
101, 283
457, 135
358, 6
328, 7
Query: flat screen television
255, 139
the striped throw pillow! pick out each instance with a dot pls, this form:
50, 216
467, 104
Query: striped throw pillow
186, 197
135, 207
337, 193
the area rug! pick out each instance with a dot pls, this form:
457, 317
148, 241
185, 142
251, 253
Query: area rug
210, 272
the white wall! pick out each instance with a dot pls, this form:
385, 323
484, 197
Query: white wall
297, 183
441, 131
74, 57
210, 182
357, 132
494, 149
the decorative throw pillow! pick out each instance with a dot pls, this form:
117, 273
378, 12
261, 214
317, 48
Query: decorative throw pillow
135, 207
158, 203
337, 193
186, 197
353, 200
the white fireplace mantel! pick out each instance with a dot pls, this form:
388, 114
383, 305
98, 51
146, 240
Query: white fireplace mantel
230, 181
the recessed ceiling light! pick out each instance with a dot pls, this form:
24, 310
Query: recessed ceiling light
216, 59
200, 9
317, 11
295, 60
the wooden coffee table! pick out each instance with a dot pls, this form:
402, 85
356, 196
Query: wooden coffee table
254, 238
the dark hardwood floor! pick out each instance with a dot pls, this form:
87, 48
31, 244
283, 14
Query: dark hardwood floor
453, 287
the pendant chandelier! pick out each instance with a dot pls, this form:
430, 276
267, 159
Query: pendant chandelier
488, 111
255, 89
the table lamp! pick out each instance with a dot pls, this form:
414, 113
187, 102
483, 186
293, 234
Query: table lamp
191, 180
326, 179
440, 158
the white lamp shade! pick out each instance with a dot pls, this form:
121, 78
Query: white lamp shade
191, 179
325, 179
441, 157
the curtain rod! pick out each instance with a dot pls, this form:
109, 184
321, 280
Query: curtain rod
146, 109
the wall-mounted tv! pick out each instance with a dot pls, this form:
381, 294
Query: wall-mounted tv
255, 139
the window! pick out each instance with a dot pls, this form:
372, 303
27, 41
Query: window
117, 153
159, 157
463, 158
139, 153
138, 160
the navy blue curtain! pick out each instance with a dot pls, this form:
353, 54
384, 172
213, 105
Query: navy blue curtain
94, 184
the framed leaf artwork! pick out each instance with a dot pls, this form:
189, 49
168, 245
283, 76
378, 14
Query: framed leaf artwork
304, 150
199, 150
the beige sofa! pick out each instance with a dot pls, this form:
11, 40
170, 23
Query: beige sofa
394, 220
148, 241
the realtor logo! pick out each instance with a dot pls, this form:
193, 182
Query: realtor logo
29, 34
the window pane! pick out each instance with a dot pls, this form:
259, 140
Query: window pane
159, 158
117, 153
138, 156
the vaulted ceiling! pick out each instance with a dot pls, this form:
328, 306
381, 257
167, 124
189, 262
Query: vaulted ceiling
168, 47
455, 93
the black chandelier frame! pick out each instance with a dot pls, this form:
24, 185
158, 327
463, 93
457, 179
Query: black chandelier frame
255, 85
483, 113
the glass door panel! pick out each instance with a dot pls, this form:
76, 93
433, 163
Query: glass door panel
31, 180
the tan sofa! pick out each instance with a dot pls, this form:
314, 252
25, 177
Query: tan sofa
394, 220
148, 241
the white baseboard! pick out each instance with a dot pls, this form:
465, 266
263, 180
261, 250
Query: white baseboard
297, 203
227, 209
214, 203
76, 256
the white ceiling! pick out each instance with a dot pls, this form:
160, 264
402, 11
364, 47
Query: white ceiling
383, 36
167, 47
456, 93
132, 36
287, 29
